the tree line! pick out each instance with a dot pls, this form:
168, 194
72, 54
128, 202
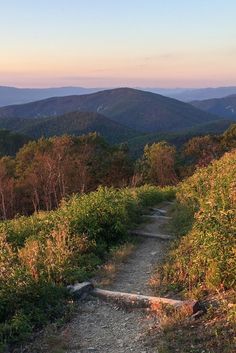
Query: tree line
48, 170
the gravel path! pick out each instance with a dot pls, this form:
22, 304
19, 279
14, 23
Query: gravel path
102, 327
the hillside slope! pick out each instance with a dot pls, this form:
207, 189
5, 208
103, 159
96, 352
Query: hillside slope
225, 107
139, 110
11, 142
75, 123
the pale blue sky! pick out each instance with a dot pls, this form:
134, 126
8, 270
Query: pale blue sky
165, 43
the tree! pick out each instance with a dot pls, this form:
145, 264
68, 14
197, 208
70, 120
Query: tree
158, 164
51, 169
200, 151
34, 173
119, 167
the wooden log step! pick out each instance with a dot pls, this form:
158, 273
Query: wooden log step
157, 216
143, 301
151, 235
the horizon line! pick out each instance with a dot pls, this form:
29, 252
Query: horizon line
117, 86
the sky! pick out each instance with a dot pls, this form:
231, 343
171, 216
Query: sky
111, 43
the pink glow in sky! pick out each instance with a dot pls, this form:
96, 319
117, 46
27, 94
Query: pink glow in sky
151, 43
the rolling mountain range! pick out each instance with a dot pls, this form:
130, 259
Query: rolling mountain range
13, 95
138, 110
119, 115
224, 107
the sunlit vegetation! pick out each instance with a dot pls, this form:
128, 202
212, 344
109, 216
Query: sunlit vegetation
164, 164
158, 164
204, 259
44, 172
202, 150
214, 332
202, 262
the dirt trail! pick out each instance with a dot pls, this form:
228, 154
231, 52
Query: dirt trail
104, 328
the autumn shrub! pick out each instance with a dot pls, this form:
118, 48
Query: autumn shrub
41, 254
205, 257
54, 258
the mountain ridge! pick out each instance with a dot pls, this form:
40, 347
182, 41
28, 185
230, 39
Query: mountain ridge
139, 110
16, 95
225, 107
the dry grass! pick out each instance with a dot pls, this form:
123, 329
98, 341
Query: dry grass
212, 333
178, 332
55, 338
169, 315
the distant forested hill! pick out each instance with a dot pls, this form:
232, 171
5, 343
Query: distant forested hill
137, 143
138, 110
225, 107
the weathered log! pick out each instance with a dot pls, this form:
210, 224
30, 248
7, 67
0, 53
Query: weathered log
143, 301
151, 235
